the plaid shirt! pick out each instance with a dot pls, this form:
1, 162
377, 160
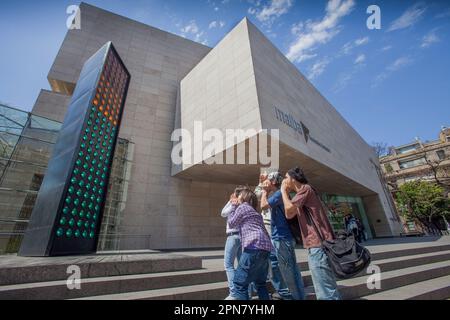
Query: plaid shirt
251, 228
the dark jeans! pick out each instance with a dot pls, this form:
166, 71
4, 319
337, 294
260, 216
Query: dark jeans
253, 267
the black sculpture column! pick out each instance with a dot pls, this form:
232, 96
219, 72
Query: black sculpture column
67, 216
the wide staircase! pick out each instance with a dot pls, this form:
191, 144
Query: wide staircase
411, 268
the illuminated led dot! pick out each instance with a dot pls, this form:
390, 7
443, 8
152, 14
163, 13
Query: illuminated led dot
68, 200
91, 206
91, 234
95, 216
71, 222
85, 166
81, 214
93, 197
79, 223
62, 221
100, 158
85, 137
81, 183
87, 130
84, 204
85, 234
102, 183
66, 210
76, 202
74, 212
100, 191
90, 178
76, 171
88, 186
71, 190
69, 233
79, 192
94, 189
77, 233
99, 199
89, 123
88, 157
83, 145
89, 150
60, 232
91, 142
95, 128
97, 121
88, 215
86, 224
93, 225
83, 175
91, 170
103, 176
78, 163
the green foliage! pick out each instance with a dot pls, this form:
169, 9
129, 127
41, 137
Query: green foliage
422, 200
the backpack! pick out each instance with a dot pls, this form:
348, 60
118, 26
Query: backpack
346, 256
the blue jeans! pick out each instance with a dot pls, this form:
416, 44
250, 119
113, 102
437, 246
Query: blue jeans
285, 251
277, 279
253, 267
232, 252
322, 276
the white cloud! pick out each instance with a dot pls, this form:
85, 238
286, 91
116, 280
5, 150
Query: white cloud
318, 68
390, 69
349, 46
360, 59
190, 28
430, 39
216, 24
319, 32
410, 17
386, 48
443, 14
268, 13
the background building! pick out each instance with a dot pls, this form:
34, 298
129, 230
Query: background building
244, 82
420, 161
429, 161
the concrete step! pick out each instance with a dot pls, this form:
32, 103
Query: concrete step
357, 287
434, 289
142, 282
350, 289
25, 270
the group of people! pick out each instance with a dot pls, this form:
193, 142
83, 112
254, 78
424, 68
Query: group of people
355, 227
260, 238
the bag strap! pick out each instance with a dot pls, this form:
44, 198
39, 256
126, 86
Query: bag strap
308, 214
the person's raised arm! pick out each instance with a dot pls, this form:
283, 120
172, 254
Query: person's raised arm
290, 210
236, 217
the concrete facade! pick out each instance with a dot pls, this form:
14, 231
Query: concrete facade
235, 85
247, 83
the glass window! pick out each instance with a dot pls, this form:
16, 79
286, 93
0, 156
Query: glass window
408, 148
405, 164
440, 154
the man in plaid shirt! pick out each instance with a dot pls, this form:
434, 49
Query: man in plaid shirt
256, 247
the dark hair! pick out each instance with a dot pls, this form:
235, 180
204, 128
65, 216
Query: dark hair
249, 196
298, 175
239, 189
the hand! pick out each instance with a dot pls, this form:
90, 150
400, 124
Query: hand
285, 185
266, 185
234, 201
263, 177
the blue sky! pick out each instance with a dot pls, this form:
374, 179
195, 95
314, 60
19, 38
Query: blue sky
391, 84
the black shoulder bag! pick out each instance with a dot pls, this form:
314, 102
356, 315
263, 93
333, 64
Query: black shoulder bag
346, 256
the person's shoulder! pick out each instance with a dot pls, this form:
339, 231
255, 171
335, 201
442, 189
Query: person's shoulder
244, 207
276, 194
